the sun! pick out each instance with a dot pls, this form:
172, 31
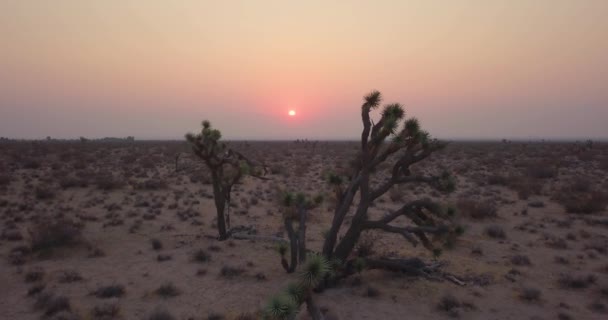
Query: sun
292, 113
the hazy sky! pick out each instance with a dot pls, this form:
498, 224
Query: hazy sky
155, 69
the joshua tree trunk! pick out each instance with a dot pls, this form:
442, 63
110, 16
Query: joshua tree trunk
313, 309
302, 235
220, 206
293, 243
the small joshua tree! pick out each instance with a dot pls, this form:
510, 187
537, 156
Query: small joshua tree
296, 208
227, 168
285, 305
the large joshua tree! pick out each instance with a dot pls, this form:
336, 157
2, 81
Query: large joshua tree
392, 139
227, 167
399, 141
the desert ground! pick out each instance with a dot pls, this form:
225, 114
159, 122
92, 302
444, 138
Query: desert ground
137, 236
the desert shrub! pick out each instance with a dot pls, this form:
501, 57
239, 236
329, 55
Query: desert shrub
541, 170
160, 314
47, 235
246, 316
151, 184
167, 290
156, 244
530, 294
578, 196
448, 303
51, 304
372, 292
44, 192
498, 179
396, 194
36, 289
31, 164
201, 256
5, 180
525, 186
69, 276
477, 209
603, 164
110, 291
106, 311
575, 281
496, 232
520, 260
12, 235
231, 272
67, 182
34, 275
106, 182
365, 247
215, 316
163, 257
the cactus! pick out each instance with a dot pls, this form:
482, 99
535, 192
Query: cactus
227, 168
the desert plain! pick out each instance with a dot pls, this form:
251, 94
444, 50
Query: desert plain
127, 230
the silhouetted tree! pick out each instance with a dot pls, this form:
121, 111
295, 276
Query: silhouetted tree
227, 167
401, 142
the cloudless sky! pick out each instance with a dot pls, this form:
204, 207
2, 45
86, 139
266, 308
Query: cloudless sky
156, 68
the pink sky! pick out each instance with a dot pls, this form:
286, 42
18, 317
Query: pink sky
155, 69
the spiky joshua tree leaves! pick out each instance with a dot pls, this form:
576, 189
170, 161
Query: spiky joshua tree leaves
286, 304
227, 167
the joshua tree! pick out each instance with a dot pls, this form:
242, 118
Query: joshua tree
404, 145
401, 143
227, 168
296, 208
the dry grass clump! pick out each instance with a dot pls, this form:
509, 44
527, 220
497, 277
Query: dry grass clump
151, 184
160, 314
106, 311
530, 294
107, 181
51, 304
570, 281
201, 256
167, 290
5, 180
231, 272
525, 186
580, 196
477, 209
44, 192
449, 304
543, 169
496, 232
50, 234
111, 291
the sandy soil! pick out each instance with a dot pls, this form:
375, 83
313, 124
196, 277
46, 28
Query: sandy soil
548, 264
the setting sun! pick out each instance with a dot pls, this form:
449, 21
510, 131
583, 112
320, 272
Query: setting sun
292, 113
